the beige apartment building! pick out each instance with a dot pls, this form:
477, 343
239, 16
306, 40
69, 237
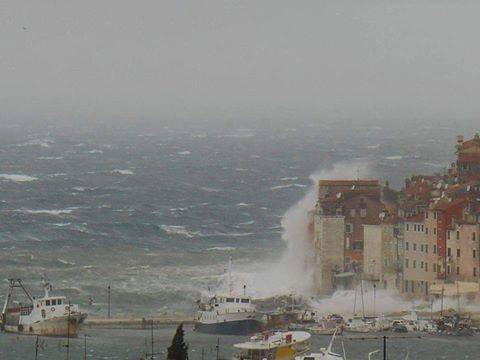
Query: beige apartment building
382, 255
420, 259
463, 252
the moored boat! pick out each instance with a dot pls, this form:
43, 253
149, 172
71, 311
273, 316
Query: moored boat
230, 314
45, 316
280, 345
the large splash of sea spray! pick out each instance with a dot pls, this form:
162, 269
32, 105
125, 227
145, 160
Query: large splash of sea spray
292, 272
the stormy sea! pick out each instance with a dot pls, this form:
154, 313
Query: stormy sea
156, 212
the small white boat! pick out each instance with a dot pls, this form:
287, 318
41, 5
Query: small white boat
280, 345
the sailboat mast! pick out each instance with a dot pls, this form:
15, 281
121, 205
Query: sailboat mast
230, 284
363, 303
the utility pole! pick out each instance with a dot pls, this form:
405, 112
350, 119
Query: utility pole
68, 332
151, 336
36, 348
108, 300
384, 347
85, 348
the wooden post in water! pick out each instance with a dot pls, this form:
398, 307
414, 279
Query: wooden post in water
217, 348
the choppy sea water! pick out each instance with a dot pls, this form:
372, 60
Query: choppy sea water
155, 212
131, 344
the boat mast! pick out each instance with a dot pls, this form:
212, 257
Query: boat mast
230, 284
363, 303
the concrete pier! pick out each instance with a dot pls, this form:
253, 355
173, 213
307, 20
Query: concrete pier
136, 322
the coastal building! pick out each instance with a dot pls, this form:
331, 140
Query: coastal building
359, 202
329, 250
468, 158
425, 235
383, 254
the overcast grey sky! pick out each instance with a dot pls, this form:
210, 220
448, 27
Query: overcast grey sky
62, 60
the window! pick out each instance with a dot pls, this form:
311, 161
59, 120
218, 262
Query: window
458, 270
414, 227
245, 301
237, 300
474, 236
59, 301
426, 249
426, 267
406, 263
408, 227
448, 269
352, 213
54, 301
230, 300
458, 235
363, 212
421, 247
449, 252
434, 231
474, 253
448, 234
458, 253
414, 264
414, 247
434, 249
435, 215
348, 228
406, 245
421, 265
422, 228
48, 302
475, 271
434, 267
426, 230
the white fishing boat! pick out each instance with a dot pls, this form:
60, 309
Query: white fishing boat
286, 345
45, 316
228, 314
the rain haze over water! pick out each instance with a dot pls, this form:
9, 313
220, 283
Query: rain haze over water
143, 143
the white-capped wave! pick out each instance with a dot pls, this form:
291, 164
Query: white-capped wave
122, 171
291, 178
17, 177
281, 187
54, 212
242, 204
179, 230
65, 262
394, 157
95, 151
186, 152
50, 158
221, 248
45, 143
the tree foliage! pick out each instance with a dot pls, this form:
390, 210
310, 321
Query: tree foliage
178, 350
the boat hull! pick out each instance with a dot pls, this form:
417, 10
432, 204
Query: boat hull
235, 327
61, 326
